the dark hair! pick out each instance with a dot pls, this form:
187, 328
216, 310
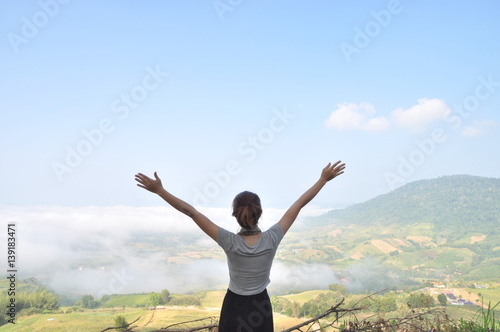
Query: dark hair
247, 209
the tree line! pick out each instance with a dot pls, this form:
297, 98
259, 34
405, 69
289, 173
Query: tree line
30, 303
378, 303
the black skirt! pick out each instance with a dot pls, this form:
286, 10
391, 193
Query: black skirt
252, 313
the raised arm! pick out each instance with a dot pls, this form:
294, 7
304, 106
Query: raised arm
329, 172
155, 186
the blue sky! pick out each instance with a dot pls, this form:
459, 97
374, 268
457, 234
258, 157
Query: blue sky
224, 96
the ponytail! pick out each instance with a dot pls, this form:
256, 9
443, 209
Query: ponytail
247, 209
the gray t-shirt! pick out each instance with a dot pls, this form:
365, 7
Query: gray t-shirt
250, 266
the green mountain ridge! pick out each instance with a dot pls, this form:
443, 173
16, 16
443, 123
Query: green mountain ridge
449, 201
444, 228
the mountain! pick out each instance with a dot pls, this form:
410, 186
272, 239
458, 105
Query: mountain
454, 205
439, 229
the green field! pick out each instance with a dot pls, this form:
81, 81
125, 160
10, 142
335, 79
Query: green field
213, 299
99, 319
303, 297
132, 307
488, 295
128, 300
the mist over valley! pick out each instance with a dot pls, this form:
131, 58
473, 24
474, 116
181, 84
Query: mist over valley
442, 229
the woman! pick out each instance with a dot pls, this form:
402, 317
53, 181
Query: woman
250, 253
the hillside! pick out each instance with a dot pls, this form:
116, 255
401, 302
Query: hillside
449, 201
430, 229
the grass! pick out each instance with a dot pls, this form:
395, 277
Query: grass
488, 295
467, 318
461, 312
128, 300
87, 321
99, 319
485, 320
303, 297
213, 299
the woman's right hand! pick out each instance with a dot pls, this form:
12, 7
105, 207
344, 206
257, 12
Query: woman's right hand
155, 186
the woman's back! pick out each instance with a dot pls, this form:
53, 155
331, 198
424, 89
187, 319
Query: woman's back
250, 265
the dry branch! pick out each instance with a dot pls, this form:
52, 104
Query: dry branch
194, 329
328, 312
179, 328
414, 321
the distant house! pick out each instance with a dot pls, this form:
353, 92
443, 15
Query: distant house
451, 296
480, 286
158, 307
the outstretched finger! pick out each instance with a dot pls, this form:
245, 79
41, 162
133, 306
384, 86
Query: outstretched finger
142, 177
339, 167
335, 165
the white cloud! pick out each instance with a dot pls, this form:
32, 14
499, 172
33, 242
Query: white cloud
351, 116
54, 241
88, 250
479, 128
419, 116
356, 116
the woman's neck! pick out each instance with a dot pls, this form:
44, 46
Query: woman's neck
250, 231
